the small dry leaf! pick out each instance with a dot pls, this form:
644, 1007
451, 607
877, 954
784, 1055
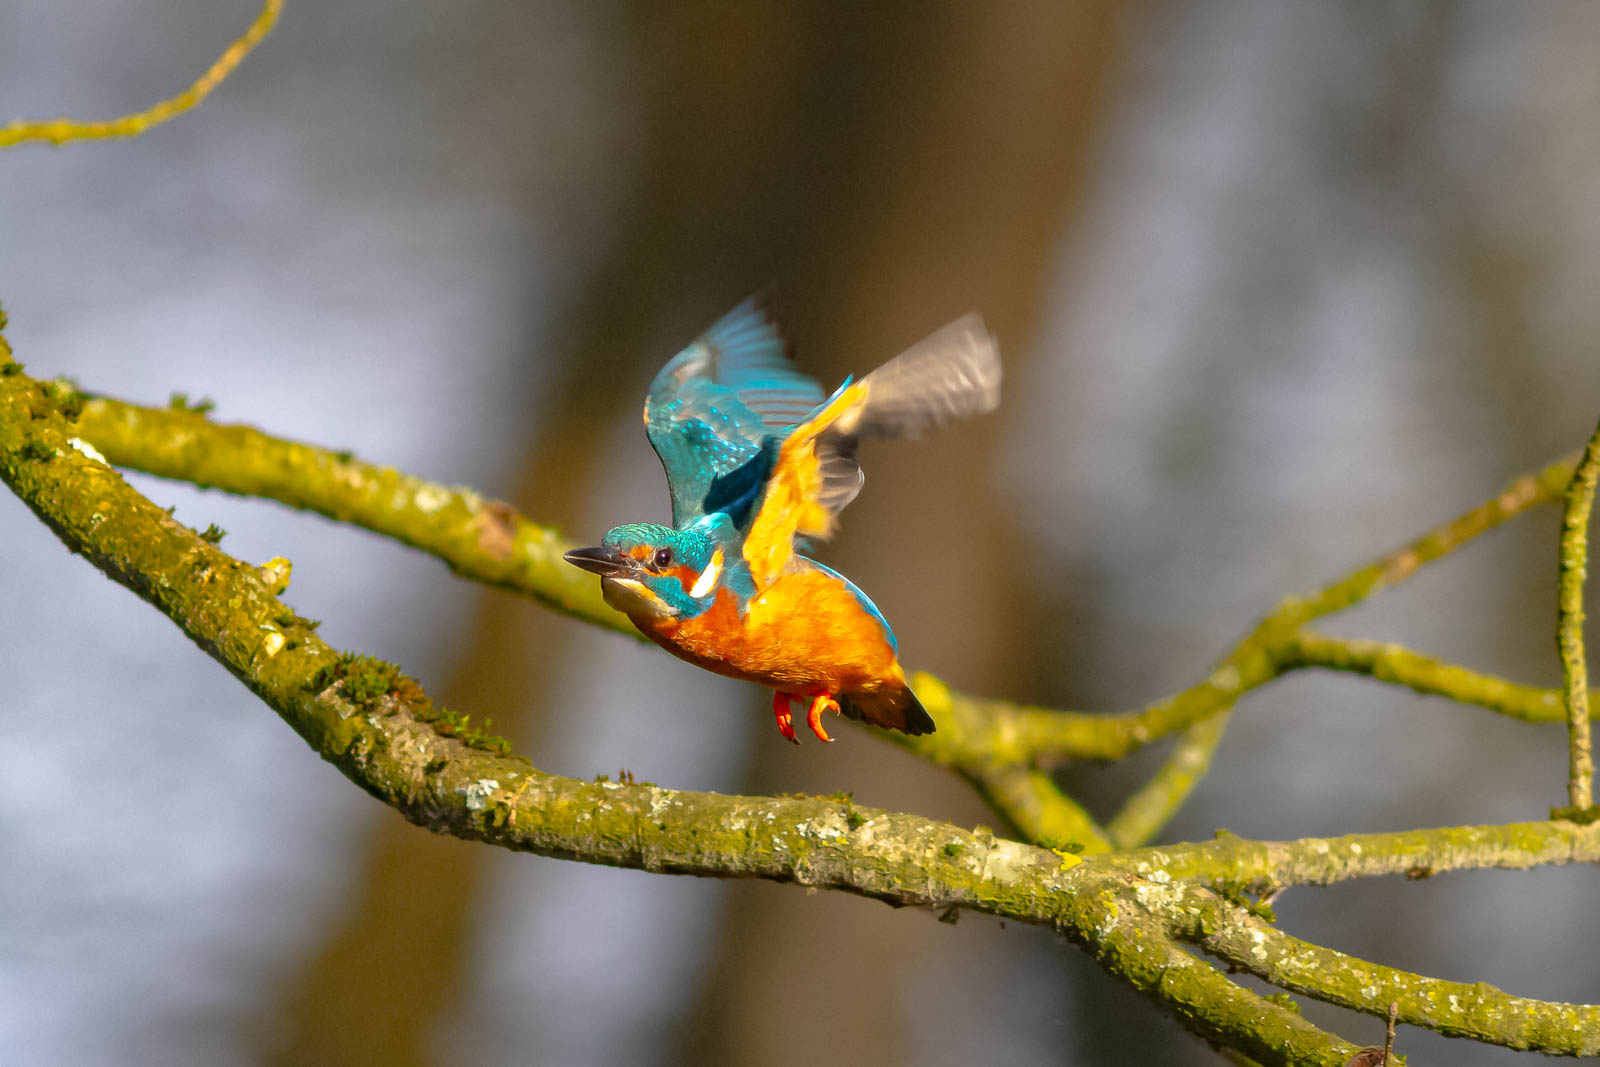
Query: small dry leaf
497, 528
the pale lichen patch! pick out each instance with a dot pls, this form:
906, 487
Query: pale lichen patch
276, 572
819, 831
1258, 945
431, 498
1226, 678
87, 449
659, 802
1007, 862
478, 793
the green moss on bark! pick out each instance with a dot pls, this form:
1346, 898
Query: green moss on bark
1128, 910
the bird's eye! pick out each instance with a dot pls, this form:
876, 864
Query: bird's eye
663, 557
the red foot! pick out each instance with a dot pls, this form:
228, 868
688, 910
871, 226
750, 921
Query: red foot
780, 711
820, 703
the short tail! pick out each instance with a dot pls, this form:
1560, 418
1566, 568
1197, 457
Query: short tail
894, 709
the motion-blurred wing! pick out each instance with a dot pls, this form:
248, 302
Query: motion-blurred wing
717, 410
952, 373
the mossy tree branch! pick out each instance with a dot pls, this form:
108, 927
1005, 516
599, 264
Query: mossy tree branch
1127, 909
1398, 665
373, 736
1041, 812
1456, 1009
487, 541
986, 741
1265, 867
1153, 804
1131, 910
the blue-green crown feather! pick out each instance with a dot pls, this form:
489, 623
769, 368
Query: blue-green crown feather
692, 547
717, 410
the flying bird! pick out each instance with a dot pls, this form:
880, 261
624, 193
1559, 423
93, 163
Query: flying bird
759, 462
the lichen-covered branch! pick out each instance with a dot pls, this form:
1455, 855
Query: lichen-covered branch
1260, 867
374, 736
487, 541
984, 740
1154, 804
1569, 627
1132, 908
60, 131
1398, 665
1123, 908
1040, 810
479, 538
1266, 652
1456, 1009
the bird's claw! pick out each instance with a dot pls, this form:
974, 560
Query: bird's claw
820, 703
780, 711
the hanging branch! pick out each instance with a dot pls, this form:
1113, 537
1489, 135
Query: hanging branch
1569, 631
60, 131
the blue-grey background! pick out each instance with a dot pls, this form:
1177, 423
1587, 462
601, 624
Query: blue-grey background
1278, 287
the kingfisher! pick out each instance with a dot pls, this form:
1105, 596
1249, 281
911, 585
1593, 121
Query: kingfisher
759, 463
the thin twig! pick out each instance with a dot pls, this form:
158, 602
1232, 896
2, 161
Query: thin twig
1040, 810
1154, 804
59, 131
1569, 626
1263, 867
1385, 661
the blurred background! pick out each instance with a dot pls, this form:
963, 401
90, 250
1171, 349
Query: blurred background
1277, 287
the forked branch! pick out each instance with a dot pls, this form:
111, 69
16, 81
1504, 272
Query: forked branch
1128, 909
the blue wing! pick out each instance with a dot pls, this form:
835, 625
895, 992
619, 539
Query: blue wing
717, 411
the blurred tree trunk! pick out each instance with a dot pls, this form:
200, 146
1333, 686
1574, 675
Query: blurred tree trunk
946, 165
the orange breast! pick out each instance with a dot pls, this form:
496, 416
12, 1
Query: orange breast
805, 633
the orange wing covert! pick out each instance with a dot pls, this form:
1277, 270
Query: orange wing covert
793, 505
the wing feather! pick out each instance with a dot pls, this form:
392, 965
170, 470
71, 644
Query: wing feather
714, 405
950, 374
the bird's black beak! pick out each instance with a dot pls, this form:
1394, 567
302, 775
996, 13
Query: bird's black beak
606, 562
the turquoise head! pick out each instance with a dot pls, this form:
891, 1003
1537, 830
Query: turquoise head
649, 571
